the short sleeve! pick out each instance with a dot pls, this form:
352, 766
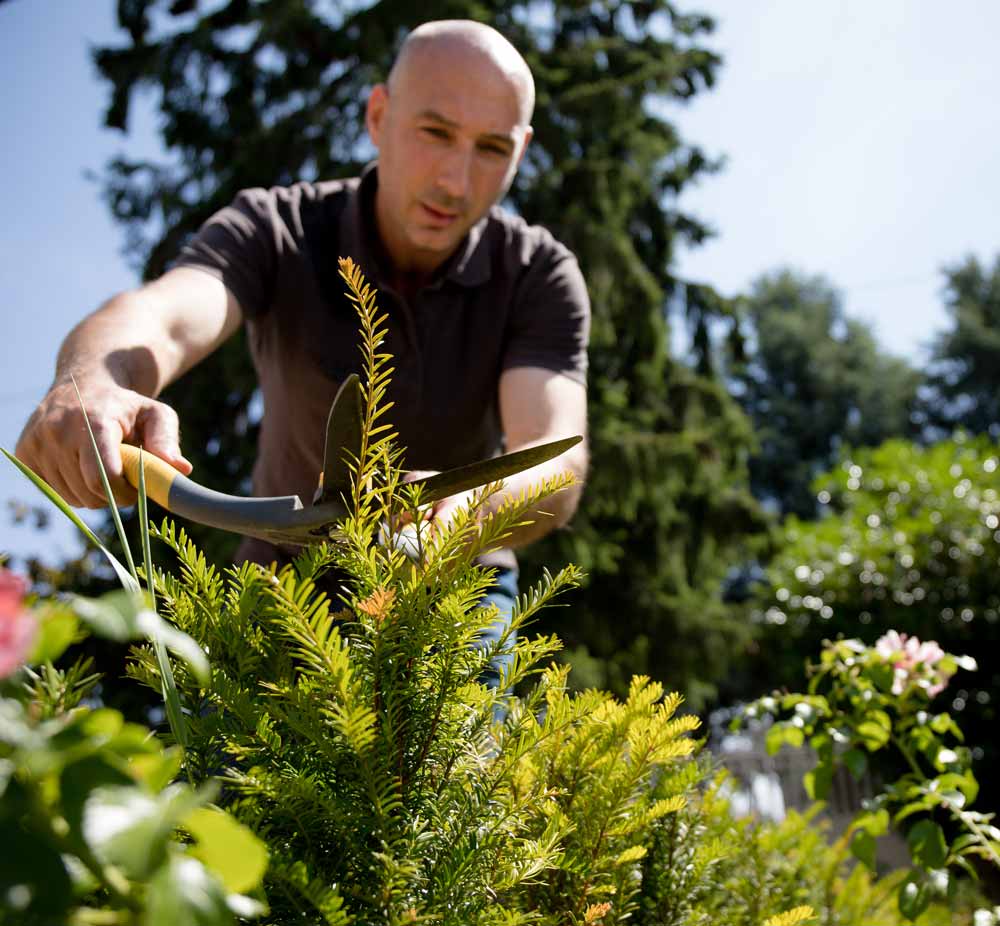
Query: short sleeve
550, 326
238, 245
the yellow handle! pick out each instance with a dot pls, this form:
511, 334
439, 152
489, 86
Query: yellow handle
159, 474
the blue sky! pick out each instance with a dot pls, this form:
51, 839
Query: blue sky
859, 146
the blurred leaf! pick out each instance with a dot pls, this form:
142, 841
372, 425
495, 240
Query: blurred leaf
863, 848
123, 617
914, 897
817, 782
783, 734
131, 828
57, 627
927, 844
875, 822
183, 893
227, 848
158, 770
856, 762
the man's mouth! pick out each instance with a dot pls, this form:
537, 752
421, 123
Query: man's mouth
438, 217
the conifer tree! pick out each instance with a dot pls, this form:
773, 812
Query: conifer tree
813, 382
964, 378
265, 93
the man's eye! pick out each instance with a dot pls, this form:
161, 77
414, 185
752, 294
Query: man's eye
494, 150
434, 131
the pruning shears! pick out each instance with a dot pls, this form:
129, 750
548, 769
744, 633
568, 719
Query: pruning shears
285, 519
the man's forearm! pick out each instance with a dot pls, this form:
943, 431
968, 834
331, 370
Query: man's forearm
552, 512
115, 345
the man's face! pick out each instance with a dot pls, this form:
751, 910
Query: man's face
450, 137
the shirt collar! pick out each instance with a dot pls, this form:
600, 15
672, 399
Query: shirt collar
469, 266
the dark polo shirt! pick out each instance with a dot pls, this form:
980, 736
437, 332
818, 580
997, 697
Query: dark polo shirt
511, 296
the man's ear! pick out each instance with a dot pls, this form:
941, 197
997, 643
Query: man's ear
529, 133
378, 100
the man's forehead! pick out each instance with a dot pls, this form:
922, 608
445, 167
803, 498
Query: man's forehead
452, 77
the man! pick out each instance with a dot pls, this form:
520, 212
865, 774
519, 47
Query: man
488, 317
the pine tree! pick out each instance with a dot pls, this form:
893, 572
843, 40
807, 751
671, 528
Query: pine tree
814, 382
965, 365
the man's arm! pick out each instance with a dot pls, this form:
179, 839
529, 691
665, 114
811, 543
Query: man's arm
122, 356
536, 406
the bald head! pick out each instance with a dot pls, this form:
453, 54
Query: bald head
464, 42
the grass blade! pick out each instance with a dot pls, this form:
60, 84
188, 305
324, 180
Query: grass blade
128, 581
108, 494
171, 698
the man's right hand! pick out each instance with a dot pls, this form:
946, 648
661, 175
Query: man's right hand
55, 443
125, 352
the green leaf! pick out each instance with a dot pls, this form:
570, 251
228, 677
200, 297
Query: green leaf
171, 698
114, 616
914, 897
875, 822
856, 762
863, 848
881, 676
128, 581
183, 893
783, 734
227, 848
108, 494
78, 782
875, 731
818, 781
130, 828
57, 627
124, 617
158, 770
927, 844
155, 628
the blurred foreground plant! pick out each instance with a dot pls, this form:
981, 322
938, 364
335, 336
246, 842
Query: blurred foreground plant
92, 829
863, 700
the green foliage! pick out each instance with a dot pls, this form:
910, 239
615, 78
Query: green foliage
384, 781
964, 375
706, 868
813, 382
864, 700
610, 777
92, 828
910, 542
666, 513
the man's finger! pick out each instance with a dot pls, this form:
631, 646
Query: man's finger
160, 434
108, 438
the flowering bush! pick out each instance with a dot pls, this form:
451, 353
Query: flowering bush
914, 662
865, 700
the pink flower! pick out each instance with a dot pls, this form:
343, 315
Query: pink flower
912, 662
17, 626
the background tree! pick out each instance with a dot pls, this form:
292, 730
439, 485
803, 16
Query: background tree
813, 382
964, 376
265, 93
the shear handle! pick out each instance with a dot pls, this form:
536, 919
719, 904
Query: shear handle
182, 496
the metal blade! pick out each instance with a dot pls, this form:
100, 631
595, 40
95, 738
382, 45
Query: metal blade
343, 443
474, 475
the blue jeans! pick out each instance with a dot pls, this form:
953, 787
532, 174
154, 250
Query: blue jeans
502, 594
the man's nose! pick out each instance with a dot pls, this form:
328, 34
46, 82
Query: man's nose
455, 173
